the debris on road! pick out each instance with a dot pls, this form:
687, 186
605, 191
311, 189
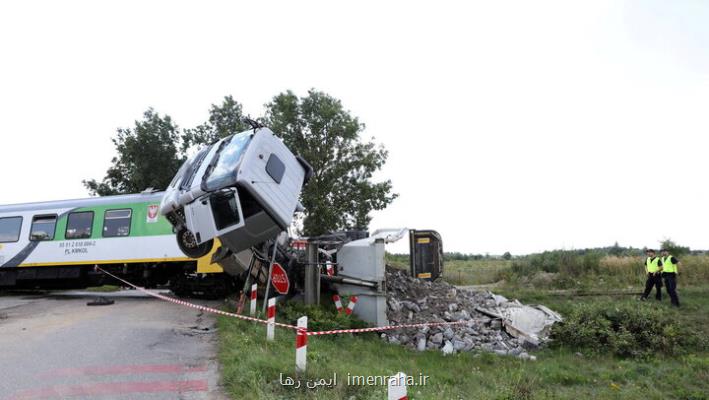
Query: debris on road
100, 301
495, 324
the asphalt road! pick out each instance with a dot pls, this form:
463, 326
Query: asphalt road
56, 347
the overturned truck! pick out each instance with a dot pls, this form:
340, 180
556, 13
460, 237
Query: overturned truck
242, 190
239, 195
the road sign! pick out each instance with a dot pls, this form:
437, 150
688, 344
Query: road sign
279, 279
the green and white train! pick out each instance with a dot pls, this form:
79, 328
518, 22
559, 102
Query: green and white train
57, 244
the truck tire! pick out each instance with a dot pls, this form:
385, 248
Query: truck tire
188, 244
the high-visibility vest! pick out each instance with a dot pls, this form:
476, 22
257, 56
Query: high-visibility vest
652, 264
668, 265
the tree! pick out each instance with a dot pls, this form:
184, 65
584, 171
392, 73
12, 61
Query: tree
341, 194
224, 120
147, 157
615, 250
674, 248
507, 255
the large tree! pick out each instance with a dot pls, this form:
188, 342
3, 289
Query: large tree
150, 154
147, 156
341, 193
224, 120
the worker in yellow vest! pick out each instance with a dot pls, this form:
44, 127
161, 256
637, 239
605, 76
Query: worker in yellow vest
669, 273
653, 268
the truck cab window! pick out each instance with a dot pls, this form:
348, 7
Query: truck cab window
78, 225
43, 227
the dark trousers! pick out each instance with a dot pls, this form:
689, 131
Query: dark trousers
656, 281
671, 284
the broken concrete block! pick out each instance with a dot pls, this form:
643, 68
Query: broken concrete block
448, 348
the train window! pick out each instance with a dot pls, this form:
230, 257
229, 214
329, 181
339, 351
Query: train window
10, 229
78, 225
116, 223
43, 227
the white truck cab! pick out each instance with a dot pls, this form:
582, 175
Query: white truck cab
243, 189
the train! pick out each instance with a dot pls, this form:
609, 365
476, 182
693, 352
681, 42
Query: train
59, 244
215, 227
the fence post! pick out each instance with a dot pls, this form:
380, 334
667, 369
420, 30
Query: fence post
270, 327
397, 387
338, 303
301, 344
254, 289
351, 305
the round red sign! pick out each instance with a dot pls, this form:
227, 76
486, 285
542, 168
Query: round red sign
279, 279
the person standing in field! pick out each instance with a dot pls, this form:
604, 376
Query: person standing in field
653, 266
669, 274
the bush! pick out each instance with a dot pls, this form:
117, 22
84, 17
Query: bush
319, 318
624, 330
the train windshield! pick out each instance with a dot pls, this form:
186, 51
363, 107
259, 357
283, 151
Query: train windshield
226, 161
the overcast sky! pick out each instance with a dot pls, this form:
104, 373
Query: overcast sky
517, 126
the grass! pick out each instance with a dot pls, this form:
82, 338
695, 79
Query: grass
474, 272
459, 272
104, 289
252, 366
566, 271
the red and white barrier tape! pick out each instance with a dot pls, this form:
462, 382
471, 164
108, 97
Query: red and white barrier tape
383, 328
196, 306
282, 325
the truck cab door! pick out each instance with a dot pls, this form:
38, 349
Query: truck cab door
214, 215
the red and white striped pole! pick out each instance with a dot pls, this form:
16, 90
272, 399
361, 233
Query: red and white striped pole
254, 289
329, 269
301, 344
351, 305
397, 387
270, 327
338, 303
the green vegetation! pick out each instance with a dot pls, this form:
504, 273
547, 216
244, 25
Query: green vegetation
461, 269
626, 330
104, 288
610, 346
342, 192
475, 272
581, 270
251, 366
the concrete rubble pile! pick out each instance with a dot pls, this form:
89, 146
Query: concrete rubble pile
494, 324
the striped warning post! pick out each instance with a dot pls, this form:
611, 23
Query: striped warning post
271, 328
397, 387
351, 305
329, 269
338, 303
301, 344
254, 289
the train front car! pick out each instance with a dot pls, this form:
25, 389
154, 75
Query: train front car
243, 190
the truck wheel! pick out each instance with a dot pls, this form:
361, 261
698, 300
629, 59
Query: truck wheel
188, 244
